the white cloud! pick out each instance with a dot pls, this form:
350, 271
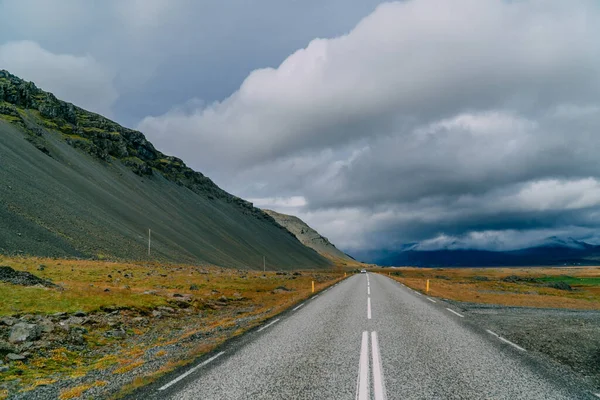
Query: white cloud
77, 79
406, 62
430, 119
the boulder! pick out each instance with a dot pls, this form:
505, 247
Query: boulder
24, 332
116, 333
76, 337
75, 321
47, 326
23, 278
16, 357
6, 348
8, 321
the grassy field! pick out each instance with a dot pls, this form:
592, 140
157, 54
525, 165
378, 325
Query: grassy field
507, 286
85, 285
211, 303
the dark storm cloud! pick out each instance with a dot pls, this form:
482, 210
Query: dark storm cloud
463, 122
467, 123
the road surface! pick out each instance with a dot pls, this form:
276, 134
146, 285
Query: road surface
368, 337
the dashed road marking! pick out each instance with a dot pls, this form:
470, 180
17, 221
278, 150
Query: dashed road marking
431, 300
454, 312
506, 340
268, 325
369, 290
298, 307
192, 370
368, 308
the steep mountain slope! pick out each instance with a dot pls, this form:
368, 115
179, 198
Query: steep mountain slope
73, 183
309, 237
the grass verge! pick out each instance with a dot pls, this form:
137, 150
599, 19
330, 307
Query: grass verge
525, 287
141, 320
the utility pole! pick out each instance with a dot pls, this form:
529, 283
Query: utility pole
264, 265
149, 240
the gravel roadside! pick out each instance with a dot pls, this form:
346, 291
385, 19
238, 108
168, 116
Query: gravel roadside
570, 338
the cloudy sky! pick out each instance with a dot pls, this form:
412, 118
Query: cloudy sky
464, 123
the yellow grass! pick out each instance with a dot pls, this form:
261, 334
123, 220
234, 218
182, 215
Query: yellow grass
129, 367
223, 296
460, 284
78, 391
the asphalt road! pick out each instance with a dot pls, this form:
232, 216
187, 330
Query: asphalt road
369, 338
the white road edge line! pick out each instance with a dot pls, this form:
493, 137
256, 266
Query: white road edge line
180, 377
505, 340
368, 308
418, 293
268, 325
298, 307
431, 300
362, 382
454, 312
378, 382
314, 297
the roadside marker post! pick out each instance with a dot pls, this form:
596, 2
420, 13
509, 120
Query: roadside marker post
427, 289
313, 286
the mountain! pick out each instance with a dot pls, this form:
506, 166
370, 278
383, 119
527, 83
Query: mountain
551, 251
309, 237
75, 184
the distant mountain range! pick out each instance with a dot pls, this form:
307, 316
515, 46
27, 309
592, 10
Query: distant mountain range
552, 251
75, 184
311, 238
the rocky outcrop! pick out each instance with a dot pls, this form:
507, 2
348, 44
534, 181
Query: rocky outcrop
24, 332
89, 187
23, 278
23, 104
309, 237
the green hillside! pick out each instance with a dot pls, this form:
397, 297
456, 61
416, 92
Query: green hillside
73, 183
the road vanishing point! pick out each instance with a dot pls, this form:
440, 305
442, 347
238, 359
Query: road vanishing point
368, 337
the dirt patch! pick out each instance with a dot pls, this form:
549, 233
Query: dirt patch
9, 275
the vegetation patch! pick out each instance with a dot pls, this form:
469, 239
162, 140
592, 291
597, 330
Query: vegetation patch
78, 391
560, 287
117, 318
